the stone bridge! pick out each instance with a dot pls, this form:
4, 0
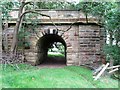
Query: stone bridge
82, 42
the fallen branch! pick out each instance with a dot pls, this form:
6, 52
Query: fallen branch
113, 70
101, 72
98, 70
113, 67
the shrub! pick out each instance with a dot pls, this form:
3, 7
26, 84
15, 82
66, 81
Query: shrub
112, 52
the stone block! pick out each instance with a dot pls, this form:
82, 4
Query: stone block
30, 58
69, 64
69, 50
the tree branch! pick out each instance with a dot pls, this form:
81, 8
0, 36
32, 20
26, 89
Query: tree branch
31, 11
19, 22
68, 28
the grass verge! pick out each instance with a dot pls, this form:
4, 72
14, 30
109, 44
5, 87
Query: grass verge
66, 77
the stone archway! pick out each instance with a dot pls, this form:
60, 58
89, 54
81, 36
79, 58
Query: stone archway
69, 40
84, 41
44, 43
82, 44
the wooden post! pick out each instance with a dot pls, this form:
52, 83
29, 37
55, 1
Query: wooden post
113, 67
113, 70
98, 70
101, 72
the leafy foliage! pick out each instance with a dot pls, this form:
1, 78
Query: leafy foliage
6, 6
55, 5
23, 36
108, 14
113, 51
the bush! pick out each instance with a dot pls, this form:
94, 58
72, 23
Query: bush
112, 52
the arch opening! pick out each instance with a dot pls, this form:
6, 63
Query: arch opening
51, 50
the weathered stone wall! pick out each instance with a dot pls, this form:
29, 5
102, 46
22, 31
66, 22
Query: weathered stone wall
83, 44
70, 37
84, 41
89, 41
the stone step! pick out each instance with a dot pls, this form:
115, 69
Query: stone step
30, 54
69, 64
30, 58
33, 61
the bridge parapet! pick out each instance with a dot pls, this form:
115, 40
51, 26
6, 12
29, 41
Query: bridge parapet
58, 16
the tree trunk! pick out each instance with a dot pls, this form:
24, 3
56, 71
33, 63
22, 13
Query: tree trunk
111, 38
0, 36
5, 38
86, 16
117, 37
18, 24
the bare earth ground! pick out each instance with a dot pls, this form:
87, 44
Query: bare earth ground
53, 62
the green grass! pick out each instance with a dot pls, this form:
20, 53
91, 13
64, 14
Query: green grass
56, 55
66, 77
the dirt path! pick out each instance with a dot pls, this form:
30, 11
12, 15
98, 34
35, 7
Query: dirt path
50, 62
53, 62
